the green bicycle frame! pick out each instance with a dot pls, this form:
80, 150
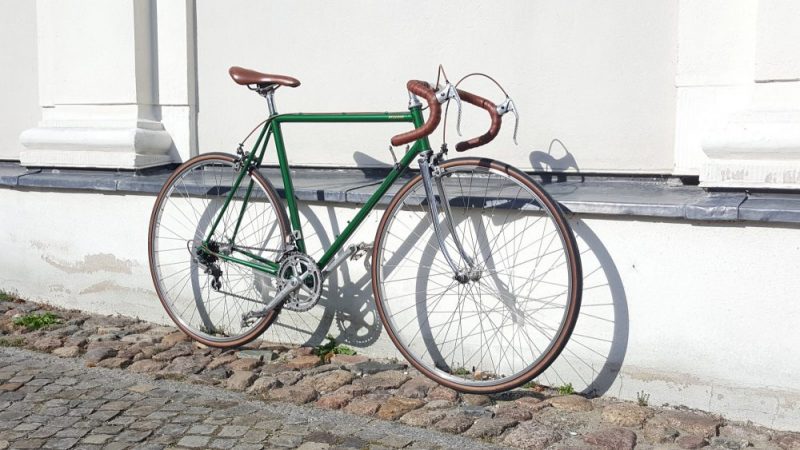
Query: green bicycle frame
272, 128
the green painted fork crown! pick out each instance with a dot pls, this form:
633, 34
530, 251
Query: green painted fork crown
272, 128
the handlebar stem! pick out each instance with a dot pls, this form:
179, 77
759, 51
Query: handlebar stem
413, 100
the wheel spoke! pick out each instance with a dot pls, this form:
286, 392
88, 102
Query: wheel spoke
187, 208
499, 328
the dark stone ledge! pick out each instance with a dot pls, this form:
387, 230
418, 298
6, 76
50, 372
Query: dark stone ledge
657, 197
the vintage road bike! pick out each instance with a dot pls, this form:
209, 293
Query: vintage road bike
475, 272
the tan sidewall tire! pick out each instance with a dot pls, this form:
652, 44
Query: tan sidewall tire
573, 255
280, 213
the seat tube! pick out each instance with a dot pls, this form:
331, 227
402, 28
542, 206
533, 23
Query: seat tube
288, 188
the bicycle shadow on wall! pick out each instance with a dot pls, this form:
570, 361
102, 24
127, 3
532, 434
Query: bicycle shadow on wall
592, 358
545, 163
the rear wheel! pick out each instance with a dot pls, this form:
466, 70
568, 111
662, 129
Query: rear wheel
204, 294
509, 318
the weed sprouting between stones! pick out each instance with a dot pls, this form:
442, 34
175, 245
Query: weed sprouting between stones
642, 398
330, 348
6, 296
566, 389
35, 321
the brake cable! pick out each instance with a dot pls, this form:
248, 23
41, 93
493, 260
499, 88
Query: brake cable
508, 104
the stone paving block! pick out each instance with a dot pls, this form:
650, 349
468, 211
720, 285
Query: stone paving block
44, 432
63, 421
612, 439
626, 414
104, 416
422, 417
145, 425
286, 440
254, 436
363, 406
455, 423
244, 364
486, 427
29, 443
175, 430
396, 406
133, 436
531, 435
232, 431
304, 362
241, 446
289, 378
294, 394
395, 441
27, 426
316, 446
330, 381
97, 438
222, 443
194, 441
202, 429
60, 443
693, 442
572, 403
72, 433
240, 380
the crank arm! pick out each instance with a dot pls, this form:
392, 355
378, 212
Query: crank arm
291, 285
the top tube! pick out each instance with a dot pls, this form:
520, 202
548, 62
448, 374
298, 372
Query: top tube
366, 117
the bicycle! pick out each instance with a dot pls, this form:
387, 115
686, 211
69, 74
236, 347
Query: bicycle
463, 294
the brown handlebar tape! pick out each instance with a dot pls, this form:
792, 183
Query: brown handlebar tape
424, 90
491, 108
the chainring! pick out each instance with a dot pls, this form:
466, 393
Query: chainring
308, 295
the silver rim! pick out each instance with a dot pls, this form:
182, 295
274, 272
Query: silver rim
485, 332
183, 219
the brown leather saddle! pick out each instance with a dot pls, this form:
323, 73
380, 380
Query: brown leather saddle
250, 77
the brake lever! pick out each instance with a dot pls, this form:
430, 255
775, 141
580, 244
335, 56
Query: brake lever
450, 92
506, 106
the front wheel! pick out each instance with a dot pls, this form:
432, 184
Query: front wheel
205, 294
507, 321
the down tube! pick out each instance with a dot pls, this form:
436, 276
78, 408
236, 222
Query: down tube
367, 208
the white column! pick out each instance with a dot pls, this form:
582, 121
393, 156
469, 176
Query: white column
716, 50
101, 82
759, 145
177, 73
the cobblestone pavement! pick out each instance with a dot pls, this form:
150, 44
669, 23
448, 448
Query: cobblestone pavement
46, 402
149, 386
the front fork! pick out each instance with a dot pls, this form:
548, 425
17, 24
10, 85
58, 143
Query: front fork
431, 176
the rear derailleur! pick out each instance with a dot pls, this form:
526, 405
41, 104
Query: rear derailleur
207, 259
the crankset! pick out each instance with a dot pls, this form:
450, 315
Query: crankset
299, 287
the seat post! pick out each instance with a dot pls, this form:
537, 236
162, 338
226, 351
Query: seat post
269, 94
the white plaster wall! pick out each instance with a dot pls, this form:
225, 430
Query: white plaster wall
599, 78
699, 314
778, 59
19, 108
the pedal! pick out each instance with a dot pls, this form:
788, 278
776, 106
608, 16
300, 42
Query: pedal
249, 318
361, 250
